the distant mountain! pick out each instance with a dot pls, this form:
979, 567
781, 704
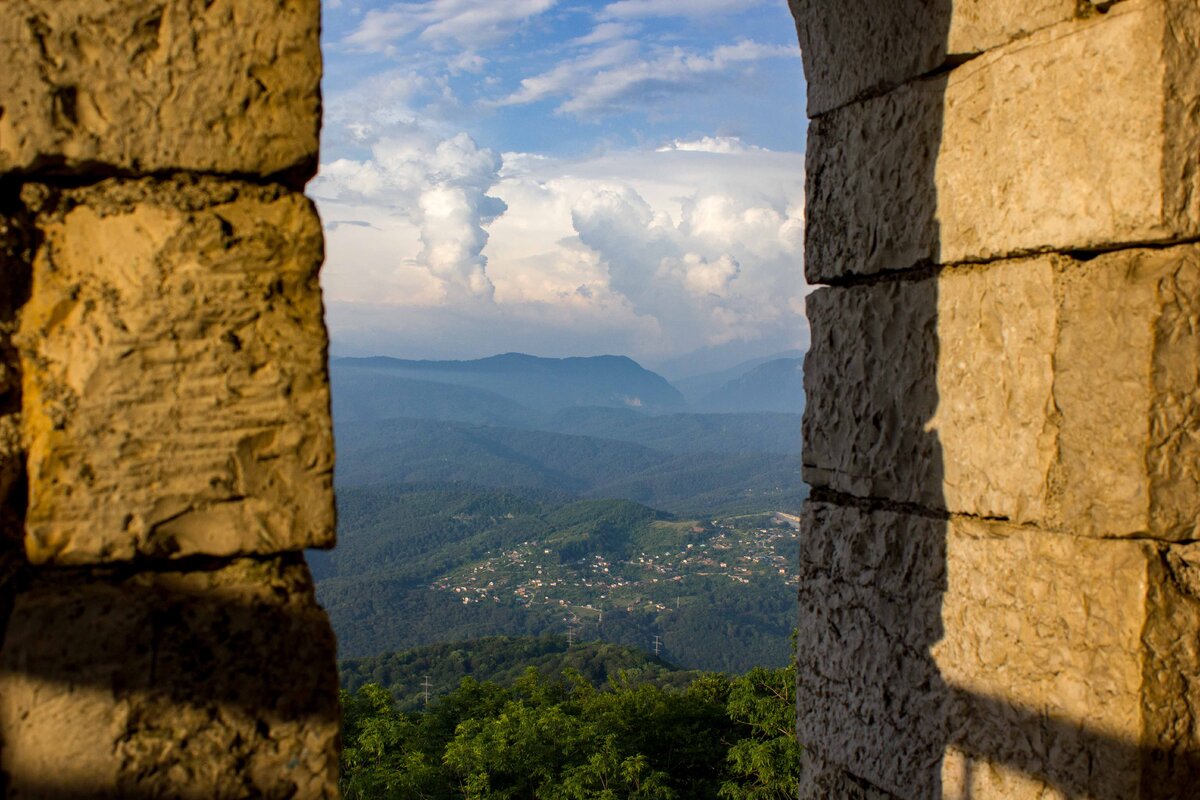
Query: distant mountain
540, 384
776, 385
502, 660
696, 387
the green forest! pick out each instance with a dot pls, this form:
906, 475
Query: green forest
435, 670
563, 737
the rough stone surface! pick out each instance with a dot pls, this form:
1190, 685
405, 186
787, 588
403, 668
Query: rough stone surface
941, 657
1043, 390
857, 50
1002, 156
144, 86
1127, 367
206, 684
175, 390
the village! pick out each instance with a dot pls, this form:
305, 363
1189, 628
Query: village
533, 574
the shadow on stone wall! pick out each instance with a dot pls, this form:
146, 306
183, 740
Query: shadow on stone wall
193, 680
879, 716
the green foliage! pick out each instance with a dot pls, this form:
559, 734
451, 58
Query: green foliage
765, 763
564, 739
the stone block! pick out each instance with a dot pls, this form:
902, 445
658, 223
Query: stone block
176, 399
148, 86
1077, 137
950, 657
204, 684
853, 51
868, 693
1045, 390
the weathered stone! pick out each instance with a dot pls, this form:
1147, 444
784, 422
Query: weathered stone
203, 684
175, 392
855, 50
1043, 390
940, 654
1074, 138
145, 86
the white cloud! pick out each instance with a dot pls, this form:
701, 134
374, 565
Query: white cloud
614, 78
468, 23
627, 9
568, 75
709, 144
699, 276
605, 32
415, 189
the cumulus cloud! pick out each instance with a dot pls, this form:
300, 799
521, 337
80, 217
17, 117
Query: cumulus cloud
651, 253
615, 77
703, 248
416, 182
468, 23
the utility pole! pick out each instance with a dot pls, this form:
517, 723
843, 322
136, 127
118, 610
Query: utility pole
657, 644
426, 684
571, 622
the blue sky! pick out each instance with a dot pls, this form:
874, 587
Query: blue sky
563, 178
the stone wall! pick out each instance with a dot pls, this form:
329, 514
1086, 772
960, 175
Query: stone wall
1000, 574
165, 440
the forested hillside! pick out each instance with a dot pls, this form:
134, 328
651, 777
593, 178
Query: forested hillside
503, 660
402, 451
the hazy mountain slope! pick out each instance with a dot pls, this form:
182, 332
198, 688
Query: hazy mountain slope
773, 386
429, 451
684, 433
543, 384
362, 394
696, 387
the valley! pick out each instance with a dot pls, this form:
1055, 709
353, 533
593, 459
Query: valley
581, 498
